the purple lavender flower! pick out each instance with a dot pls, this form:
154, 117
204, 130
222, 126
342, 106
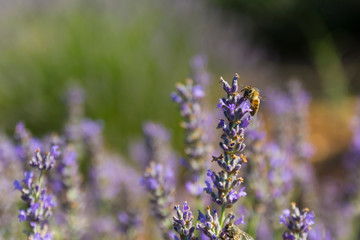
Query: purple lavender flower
319, 232
39, 203
183, 222
235, 109
243, 213
199, 71
159, 184
159, 179
298, 222
209, 223
113, 175
210, 226
66, 184
194, 188
75, 97
258, 167
45, 161
291, 110
157, 146
188, 96
264, 229
118, 188
92, 136
8, 155
113, 185
271, 179
280, 175
129, 221
300, 100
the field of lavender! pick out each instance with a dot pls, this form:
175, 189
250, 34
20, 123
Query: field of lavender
116, 124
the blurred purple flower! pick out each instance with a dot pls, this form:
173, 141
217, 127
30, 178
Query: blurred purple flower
160, 191
199, 71
298, 222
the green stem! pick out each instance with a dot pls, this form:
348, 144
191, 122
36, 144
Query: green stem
222, 217
39, 184
38, 194
199, 205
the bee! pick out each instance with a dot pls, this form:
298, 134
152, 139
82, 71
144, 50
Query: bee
235, 233
253, 95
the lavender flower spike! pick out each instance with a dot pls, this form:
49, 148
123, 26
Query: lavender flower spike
209, 223
183, 223
158, 182
39, 203
236, 109
188, 97
46, 161
298, 223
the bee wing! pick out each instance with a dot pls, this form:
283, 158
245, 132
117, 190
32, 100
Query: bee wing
264, 98
242, 87
245, 235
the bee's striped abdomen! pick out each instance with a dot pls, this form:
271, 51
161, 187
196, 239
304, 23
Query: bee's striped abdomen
255, 106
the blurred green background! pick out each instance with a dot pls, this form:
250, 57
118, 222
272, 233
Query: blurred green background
129, 54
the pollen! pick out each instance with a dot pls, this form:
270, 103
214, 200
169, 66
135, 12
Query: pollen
243, 158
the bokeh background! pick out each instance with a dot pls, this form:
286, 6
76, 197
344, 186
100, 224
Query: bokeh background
128, 55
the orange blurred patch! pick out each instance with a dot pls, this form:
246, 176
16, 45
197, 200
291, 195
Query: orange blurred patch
329, 127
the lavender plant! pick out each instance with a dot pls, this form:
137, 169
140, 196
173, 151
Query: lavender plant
270, 181
300, 101
225, 182
66, 182
112, 197
129, 222
39, 204
74, 126
298, 223
188, 97
111, 190
75, 97
119, 194
158, 182
302, 148
159, 176
183, 223
199, 70
223, 189
202, 77
156, 145
290, 110
258, 188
